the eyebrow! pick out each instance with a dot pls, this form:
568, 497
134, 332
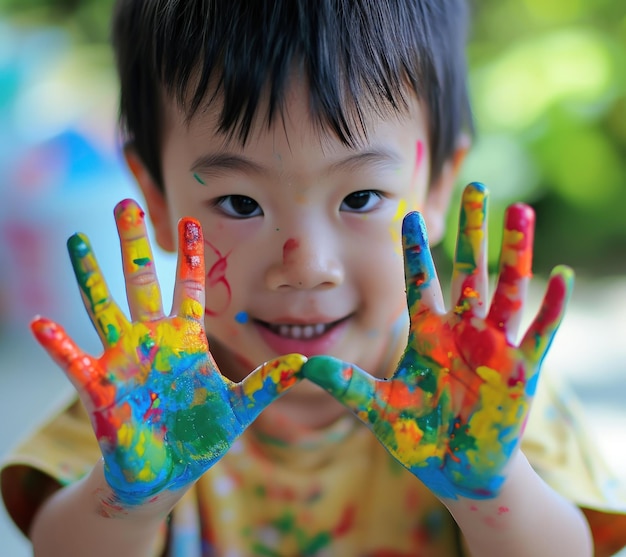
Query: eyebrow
215, 163
374, 157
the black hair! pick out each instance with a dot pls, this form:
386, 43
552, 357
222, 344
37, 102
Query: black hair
356, 55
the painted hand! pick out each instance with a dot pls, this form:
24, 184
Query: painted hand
454, 411
161, 410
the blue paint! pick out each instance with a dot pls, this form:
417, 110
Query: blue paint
241, 317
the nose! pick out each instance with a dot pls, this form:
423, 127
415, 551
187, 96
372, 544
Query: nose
308, 261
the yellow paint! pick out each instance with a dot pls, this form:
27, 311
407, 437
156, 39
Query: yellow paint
149, 298
191, 308
499, 404
136, 249
411, 451
125, 436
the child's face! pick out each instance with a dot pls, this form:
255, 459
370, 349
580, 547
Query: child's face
302, 233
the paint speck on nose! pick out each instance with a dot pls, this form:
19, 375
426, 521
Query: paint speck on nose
289, 246
241, 317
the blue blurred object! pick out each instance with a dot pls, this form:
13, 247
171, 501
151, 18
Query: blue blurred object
60, 172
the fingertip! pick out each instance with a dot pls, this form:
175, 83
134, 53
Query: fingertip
413, 226
328, 372
129, 215
43, 327
477, 187
78, 244
124, 205
520, 217
293, 361
565, 272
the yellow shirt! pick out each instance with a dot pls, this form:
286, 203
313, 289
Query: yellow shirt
334, 492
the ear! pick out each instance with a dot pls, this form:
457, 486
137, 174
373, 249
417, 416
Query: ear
440, 191
154, 197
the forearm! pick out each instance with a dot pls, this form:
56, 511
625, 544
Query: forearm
527, 519
78, 521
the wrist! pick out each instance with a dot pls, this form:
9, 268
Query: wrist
109, 504
525, 518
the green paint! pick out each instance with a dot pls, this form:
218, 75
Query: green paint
142, 261
460, 439
112, 333
198, 179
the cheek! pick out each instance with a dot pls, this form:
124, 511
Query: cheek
382, 275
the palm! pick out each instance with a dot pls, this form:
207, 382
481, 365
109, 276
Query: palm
161, 410
454, 410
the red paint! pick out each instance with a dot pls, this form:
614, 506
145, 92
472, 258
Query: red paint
346, 522
190, 240
288, 249
552, 306
216, 278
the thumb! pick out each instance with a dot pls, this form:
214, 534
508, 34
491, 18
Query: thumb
349, 384
264, 385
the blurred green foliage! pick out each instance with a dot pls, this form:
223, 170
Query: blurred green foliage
548, 83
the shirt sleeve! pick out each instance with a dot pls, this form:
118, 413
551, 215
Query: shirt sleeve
61, 452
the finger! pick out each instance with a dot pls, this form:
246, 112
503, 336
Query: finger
189, 289
469, 272
264, 385
106, 316
422, 286
515, 270
142, 286
350, 385
539, 335
81, 369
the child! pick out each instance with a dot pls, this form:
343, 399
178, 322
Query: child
288, 139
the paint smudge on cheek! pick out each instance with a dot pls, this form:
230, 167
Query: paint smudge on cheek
242, 317
218, 290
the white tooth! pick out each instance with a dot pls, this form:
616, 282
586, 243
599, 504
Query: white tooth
308, 331
284, 330
320, 328
296, 331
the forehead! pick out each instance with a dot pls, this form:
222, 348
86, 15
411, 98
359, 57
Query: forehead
294, 118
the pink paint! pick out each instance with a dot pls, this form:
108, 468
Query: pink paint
288, 249
419, 155
216, 279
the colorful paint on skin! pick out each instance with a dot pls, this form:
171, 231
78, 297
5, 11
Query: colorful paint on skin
161, 411
242, 317
515, 265
419, 156
289, 247
198, 179
137, 258
216, 280
454, 411
470, 249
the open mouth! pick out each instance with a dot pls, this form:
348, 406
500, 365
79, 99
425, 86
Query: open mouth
301, 332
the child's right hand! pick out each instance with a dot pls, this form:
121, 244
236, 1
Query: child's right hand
161, 410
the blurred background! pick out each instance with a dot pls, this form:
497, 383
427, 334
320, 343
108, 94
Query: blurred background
548, 84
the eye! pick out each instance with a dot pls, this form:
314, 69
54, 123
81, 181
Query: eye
361, 201
239, 206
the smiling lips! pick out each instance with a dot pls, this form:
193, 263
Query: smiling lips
307, 339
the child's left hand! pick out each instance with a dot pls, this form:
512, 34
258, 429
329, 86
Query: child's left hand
454, 411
